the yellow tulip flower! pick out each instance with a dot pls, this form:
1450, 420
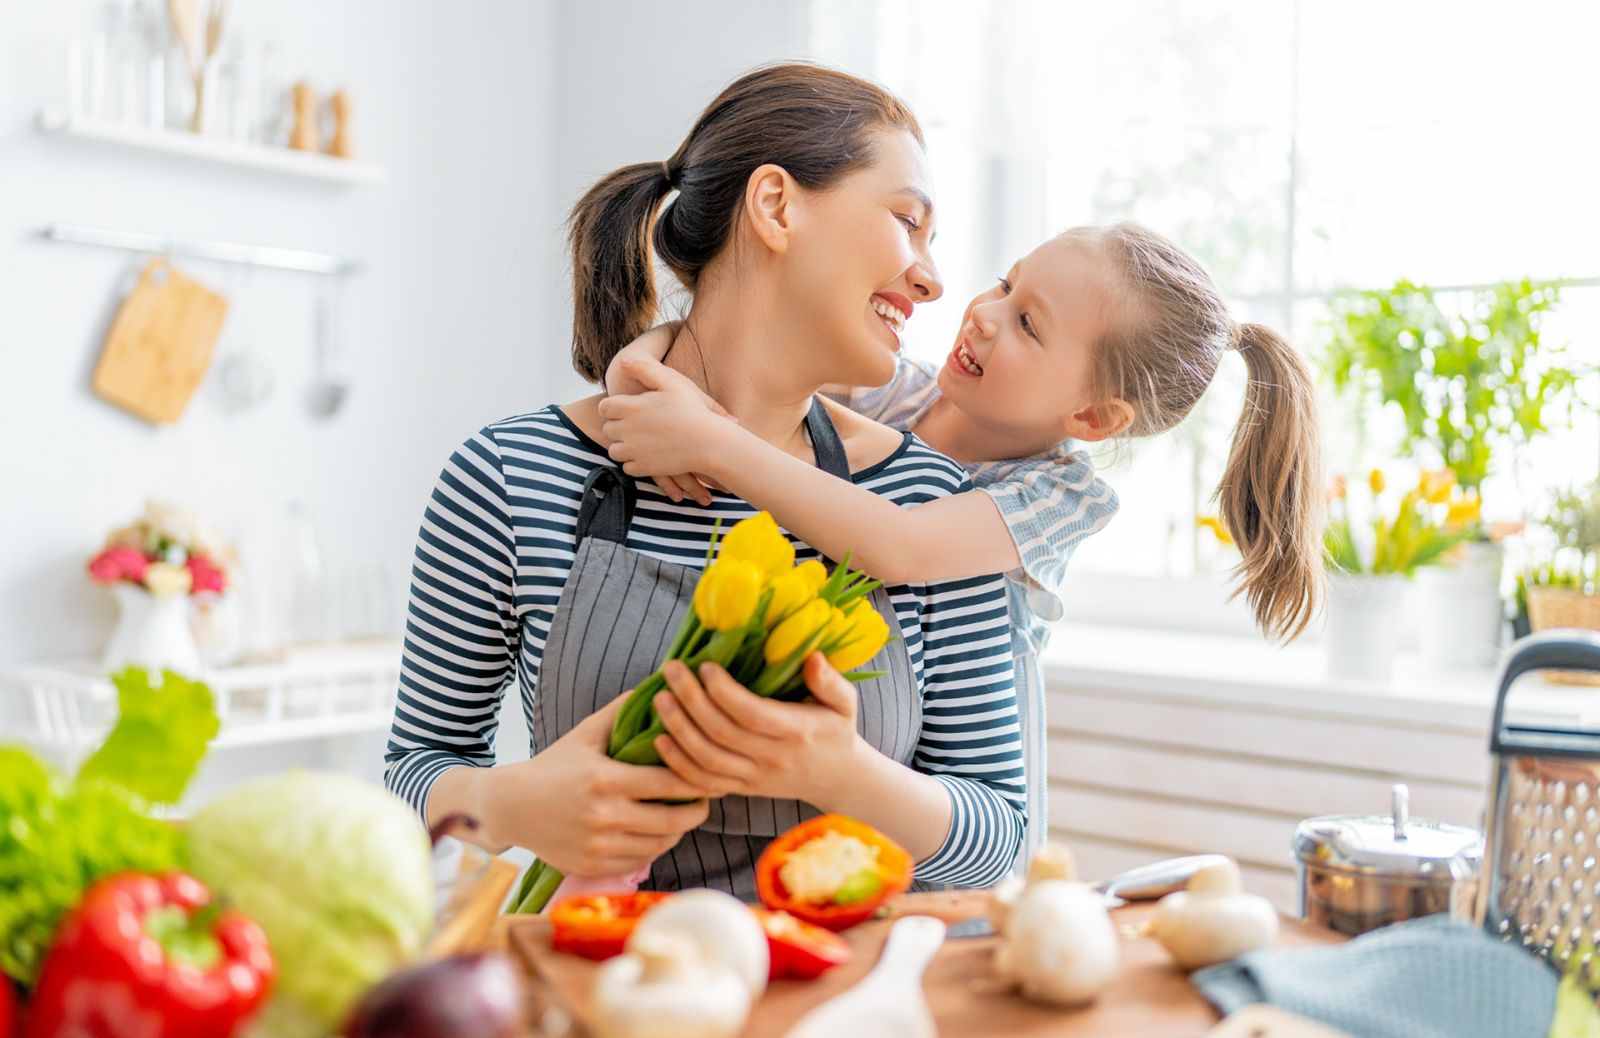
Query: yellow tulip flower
1375, 480
1436, 486
758, 540
864, 631
815, 573
790, 590
1462, 513
1214, 524
727, 594
795, 631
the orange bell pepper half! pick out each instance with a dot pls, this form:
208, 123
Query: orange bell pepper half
844, 883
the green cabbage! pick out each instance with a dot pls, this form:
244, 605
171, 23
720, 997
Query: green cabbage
339, 874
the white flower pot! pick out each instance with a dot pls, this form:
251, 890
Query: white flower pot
1363, 625
1459, 610
152, 633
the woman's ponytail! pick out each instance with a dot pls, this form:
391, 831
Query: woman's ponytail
1271, 498
613, 278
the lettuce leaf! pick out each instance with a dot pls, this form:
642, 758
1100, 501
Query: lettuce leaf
160, 736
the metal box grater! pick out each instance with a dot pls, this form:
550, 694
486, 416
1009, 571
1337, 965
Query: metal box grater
1541, 867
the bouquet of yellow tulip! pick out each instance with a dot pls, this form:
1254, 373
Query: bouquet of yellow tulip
1429, 520
758, 615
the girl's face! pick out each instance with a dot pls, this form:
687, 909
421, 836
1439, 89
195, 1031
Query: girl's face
1022, 364
859, 263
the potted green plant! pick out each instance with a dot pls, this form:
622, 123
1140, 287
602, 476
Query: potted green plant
1466, 385
1562, 587
1372, 551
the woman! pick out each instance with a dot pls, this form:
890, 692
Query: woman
801, 227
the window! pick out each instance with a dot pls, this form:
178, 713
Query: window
1294, 147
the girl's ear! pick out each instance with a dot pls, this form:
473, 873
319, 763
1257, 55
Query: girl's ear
770, 197
1099, 421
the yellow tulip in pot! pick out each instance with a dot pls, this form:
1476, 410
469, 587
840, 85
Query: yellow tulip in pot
1373, 549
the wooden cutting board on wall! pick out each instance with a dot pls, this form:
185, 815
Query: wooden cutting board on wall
160, 344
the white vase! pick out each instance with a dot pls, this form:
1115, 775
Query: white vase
1363, 625
1460, 613
152, 633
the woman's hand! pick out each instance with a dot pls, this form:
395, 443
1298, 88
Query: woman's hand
665, 432
581, 811
722, 737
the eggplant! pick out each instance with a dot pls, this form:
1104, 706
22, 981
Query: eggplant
462, 996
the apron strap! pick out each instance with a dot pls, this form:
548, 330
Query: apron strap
606, 508
825, 442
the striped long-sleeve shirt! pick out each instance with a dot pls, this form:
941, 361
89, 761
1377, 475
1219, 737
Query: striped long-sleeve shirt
498, 539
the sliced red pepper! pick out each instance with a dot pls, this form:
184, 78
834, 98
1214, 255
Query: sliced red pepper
153, 956
596, 926
858, 898
797, 950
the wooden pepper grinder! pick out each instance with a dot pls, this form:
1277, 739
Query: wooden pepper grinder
303, 136
339, 106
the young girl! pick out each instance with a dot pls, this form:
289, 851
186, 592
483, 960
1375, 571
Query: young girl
1097, 333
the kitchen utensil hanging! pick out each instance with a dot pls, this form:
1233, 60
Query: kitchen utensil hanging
328, 385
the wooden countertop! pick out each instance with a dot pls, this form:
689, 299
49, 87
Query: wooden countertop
1150, 997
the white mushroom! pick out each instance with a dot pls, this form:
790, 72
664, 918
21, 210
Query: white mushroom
1212, 920
722, 927
1060, 947
664, 987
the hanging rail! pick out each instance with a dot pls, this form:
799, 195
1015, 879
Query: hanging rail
199, 248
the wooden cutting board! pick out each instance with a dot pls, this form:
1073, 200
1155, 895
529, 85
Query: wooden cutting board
160, 344
1150, 998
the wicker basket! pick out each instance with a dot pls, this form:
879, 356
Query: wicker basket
1564, 607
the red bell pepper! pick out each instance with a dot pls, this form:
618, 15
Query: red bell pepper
8, 1007
798, 950
884, 873
150, 956
596, 926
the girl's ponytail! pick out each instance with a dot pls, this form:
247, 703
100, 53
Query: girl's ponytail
1271, 498
613, 279
1161, 358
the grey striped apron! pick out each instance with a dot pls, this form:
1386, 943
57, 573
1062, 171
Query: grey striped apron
617, 614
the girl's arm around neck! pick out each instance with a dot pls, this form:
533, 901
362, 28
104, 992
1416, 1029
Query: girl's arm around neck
950, 538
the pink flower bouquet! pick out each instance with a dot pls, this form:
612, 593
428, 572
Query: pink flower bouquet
167, 551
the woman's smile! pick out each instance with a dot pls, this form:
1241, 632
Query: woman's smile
894, 310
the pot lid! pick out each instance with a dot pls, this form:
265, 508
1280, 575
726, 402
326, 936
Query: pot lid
1390, 845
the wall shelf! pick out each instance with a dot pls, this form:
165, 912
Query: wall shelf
300, 165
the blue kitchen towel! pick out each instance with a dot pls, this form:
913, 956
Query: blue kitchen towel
1427, 978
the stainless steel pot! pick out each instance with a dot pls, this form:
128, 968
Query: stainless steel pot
1360, 872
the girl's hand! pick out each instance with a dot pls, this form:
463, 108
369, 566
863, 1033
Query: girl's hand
665, 432
724, 738
580, 810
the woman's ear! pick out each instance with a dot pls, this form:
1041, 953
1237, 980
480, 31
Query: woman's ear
770, 199
1099, 421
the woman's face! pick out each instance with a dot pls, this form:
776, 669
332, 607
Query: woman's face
859, 262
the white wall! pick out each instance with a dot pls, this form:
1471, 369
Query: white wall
448, 327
